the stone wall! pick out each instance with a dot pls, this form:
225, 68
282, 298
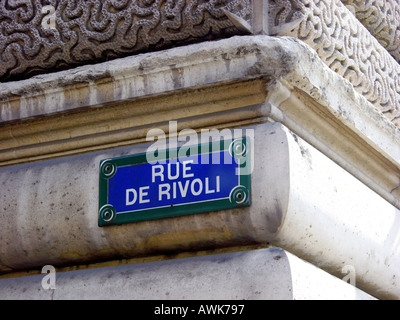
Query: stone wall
316, 81
356, 39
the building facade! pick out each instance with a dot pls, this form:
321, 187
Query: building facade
305, 92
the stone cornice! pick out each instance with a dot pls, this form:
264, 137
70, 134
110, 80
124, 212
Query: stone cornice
127, 122
343, 34
203, 85
346, 46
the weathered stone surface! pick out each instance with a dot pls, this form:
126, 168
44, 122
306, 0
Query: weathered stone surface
361, 47
346, 46
275, 274
382, 19
301, 201
218, 83
40, 36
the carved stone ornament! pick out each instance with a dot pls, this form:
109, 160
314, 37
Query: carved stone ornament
357, 39
382, 19
46, 35
344, 43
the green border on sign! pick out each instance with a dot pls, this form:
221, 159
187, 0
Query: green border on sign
240, 197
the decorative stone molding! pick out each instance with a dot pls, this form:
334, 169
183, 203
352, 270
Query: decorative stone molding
40, 36
34, 38
215, 84
382, 19
347, 47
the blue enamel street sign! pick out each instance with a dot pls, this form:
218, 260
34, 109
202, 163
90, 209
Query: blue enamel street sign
210, 178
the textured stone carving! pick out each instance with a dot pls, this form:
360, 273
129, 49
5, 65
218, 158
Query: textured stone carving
347, 47
382, 19
47, 35
41, 36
